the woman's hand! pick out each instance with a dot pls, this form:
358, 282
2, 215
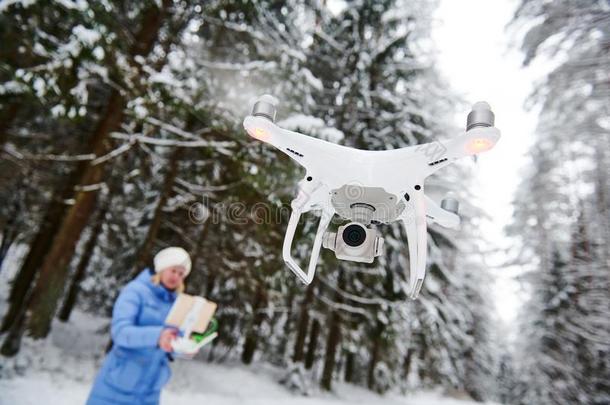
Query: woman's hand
166, 338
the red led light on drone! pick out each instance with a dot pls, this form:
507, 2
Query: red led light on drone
478, 145
260, 133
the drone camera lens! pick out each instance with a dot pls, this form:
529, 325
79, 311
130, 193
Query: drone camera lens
354, 235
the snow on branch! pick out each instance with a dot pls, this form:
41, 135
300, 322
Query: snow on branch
343, 307
11, 150
92, 187
95, 160
114, 153
252, 65
355, 298
219, 145
198, 188
171, 128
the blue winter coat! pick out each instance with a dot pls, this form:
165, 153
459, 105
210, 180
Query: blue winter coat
135, 369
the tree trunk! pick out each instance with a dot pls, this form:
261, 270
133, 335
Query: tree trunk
312, 345
198, 251
12, 341
299, 344
73, 290
602, 188
406, 367
7, 119
252, 336
423, 349
9, 232
54, 268
42, 241
144, 256
8, 237
53, 272
349, 367
374, 355
288, 327
334, 338
196, 277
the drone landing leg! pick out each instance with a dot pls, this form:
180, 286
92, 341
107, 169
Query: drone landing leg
416, 229
306, 278
411, 230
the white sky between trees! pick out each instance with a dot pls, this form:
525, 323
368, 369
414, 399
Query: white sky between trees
476, 59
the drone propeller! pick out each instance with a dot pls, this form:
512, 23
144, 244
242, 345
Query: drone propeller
265, 106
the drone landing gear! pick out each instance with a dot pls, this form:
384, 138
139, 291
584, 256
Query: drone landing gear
308, 191
414, 222
306, 278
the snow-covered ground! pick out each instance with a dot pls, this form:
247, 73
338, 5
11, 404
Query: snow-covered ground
60, 370
206, 384
219, 386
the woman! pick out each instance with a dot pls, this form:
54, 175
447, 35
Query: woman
136, 368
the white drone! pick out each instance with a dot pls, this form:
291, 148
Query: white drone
369, 187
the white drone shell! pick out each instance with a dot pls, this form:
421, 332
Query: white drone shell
399, 172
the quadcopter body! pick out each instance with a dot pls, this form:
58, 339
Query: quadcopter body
369, 187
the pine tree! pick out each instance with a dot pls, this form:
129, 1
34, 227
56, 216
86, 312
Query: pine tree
373, 95
568, 249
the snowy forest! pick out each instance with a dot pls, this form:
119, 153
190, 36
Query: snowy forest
121, 133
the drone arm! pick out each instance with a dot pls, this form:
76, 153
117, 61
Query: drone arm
415, 227
302, 148
265, 130
472, 142
441, 216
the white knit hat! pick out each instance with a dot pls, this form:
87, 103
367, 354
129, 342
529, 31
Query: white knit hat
173, 256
